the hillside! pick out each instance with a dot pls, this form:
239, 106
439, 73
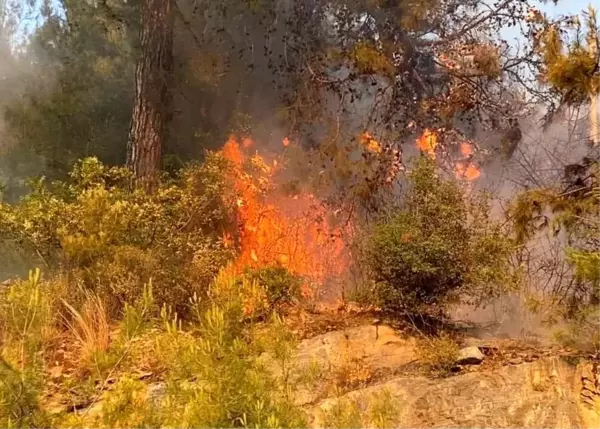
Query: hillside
349, 372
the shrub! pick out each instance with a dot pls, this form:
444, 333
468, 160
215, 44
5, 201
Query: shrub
231, 387
112, 240
440, 246
24, 320
281, 286
381, 411
344, 413
438, 354
570, 212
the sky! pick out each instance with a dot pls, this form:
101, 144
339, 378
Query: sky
564, 7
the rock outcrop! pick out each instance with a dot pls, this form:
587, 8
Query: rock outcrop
541, 390
361, 363
542, 394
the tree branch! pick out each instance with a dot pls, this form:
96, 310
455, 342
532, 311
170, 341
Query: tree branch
459, 34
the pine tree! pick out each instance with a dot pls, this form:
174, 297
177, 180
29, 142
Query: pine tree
152, 102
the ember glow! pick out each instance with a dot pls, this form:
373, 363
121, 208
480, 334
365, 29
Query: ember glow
465, 168
467, 171
278, 229
370, 143
428, 142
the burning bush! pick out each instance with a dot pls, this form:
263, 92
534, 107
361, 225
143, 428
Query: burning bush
439, 247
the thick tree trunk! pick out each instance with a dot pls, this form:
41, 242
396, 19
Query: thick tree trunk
152, 102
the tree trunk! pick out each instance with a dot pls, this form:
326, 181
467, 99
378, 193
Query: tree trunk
594, 111
152, 102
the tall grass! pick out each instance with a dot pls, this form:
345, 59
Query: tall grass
90, 327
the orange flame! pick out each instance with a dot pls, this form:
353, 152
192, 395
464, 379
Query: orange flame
428, 142
370, 143
464, 169
281, 230
466, 149
467, 171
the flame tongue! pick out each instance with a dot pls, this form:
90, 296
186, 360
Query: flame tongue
464, 169
467, 171
281, 230
428, 142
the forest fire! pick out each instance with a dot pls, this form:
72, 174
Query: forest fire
427, 143
277, 229
464, 168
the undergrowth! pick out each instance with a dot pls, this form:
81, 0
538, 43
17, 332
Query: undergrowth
438, 355
110, 240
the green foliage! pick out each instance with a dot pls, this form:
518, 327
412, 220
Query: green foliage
76, 97
571, 70
381, 411
212, 367
20, 396
575, 212
281, 286
343, 414
231, 387
112, 239
137, 317
439, 247
438, 355
127, 405
24, 319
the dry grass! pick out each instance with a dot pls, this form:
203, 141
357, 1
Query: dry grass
90, 327
438, 354
351, 375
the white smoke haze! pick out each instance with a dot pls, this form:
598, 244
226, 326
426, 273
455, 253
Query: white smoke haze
539, 161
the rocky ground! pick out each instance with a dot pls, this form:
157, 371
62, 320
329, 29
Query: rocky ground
354, 356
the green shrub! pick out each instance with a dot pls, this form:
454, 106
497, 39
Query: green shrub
281, 286
344, 413
439, 247
380, 410
112, 240
383, 410
24, 320
231, 387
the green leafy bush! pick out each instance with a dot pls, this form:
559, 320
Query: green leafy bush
281, 286
439, 247
112, 240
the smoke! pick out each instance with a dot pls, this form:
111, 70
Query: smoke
538, 161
